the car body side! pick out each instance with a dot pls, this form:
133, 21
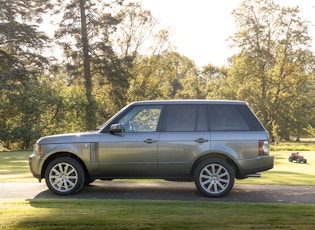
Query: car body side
158, 154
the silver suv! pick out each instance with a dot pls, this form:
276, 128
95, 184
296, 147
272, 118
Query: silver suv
208, 142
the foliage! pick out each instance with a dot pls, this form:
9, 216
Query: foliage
22, 84
114, 52
273, 64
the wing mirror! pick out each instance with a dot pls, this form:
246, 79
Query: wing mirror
116, 128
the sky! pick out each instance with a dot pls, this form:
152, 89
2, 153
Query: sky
201, 27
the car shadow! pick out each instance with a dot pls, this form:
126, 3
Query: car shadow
132, 190
184, 191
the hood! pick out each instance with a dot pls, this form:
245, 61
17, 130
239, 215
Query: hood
70, 138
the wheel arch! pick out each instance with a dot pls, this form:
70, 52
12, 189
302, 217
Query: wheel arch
64, 154
219, 156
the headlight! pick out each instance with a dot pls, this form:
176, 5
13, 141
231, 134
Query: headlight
37, 149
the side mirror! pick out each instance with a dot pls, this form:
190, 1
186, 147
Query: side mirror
116, 128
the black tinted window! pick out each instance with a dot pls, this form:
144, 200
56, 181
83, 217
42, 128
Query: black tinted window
186, 118
181, 118
227, 118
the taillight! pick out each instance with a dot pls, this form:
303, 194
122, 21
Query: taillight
263, 148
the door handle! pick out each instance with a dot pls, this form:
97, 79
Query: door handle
201, 140
150, 141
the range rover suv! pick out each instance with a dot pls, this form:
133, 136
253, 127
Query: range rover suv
209, 142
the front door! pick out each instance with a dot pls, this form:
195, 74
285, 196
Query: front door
132, 153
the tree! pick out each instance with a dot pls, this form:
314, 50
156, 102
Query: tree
87, 26
127, 52
215, 82
273, 62
163, 76
135, 41
21, 70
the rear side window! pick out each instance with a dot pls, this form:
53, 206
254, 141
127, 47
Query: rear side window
226, 118
186, 118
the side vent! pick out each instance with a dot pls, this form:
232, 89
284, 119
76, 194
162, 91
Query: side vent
93, 152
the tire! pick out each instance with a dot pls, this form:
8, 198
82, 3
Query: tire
290, 159
64, 176
214, 177
88, 181
305, 161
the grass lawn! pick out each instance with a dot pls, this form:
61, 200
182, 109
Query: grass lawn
147, 214
14, 167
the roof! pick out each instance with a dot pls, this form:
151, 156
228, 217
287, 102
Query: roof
197, 101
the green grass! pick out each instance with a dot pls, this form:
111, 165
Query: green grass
145, 214
294, 146
14, 167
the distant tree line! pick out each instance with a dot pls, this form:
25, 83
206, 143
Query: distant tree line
104, 54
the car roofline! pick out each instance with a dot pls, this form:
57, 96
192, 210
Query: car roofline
186, 101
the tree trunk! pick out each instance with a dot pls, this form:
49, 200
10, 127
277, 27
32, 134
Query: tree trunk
90, 107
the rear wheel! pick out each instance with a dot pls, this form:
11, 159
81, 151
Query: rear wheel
64, 176
214, 177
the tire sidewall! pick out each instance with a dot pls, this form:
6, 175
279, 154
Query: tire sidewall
75, 164
208, 162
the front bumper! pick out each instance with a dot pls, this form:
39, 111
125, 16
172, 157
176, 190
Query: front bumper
34, 163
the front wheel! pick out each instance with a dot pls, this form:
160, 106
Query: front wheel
214, 177
64, 176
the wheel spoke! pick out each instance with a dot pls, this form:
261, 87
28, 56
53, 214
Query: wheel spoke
71, 171
59, 166
211, 185
203, 183
223, 174
56, 171
222, 186
72, 177
207, 171
71, 183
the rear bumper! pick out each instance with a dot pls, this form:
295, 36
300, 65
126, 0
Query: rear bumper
252, 166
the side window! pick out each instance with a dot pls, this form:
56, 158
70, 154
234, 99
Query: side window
141, 119
226, 118
181, 118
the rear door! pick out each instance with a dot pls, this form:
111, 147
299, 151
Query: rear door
184, 135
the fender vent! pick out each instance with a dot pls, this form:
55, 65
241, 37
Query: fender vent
93, 152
